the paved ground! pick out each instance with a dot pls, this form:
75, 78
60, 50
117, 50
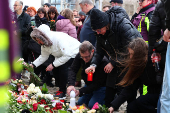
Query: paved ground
51, 90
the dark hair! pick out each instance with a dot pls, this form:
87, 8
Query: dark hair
135, 65
41, 9
53, 9
86, 46
106, 6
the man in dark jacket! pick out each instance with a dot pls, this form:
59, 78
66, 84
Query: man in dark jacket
114, 32
94, 91
86, 32
22, 20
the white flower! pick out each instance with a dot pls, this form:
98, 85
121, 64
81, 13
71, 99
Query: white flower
38, 89
39, 95
45, 96
42, 105
32, 85
49, 96
35, 90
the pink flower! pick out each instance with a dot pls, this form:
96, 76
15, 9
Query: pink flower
96, 106
21, 59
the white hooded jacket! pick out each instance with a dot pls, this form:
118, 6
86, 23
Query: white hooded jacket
62, 46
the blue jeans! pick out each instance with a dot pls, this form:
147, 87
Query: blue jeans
92, 98
165, 96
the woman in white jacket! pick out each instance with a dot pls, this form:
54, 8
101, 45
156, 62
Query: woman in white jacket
62, 46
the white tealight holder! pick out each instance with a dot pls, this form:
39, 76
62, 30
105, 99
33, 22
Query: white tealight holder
72, 99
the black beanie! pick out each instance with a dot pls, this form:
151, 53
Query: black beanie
48, 4
25, 8
98, 19
117, 1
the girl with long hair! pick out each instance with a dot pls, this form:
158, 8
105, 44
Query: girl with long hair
52, 14
66, 23
139, 70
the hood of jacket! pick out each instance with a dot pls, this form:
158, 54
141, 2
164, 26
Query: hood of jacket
43, 33
62, 23
116, 15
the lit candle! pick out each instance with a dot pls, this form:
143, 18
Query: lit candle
90, 76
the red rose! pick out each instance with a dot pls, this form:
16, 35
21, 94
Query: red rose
46, 106
62, 101
58, 105
49, 111
54, 108
43, 101
19, 101
31, 109
35, 106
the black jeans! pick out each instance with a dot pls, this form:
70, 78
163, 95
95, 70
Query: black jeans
112, 93
144, 104
61, 74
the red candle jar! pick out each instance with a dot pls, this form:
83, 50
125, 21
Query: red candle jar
90, 76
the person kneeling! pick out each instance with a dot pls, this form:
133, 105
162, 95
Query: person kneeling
93, 91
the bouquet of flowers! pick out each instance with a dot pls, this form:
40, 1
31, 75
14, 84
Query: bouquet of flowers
99, 108
52, 25
33, 77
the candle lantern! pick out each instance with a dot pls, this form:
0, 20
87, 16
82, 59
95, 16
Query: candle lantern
90, 76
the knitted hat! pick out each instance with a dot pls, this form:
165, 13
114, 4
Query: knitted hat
117, 1
25, 8
82, 13
98, 19
48, 4
32, 8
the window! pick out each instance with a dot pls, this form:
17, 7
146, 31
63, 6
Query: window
66, 4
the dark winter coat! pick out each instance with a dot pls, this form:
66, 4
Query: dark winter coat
99, 77
157, 25
40, 21
22, 23
156, 29
33, 46
167, 10
147, 78
121, 32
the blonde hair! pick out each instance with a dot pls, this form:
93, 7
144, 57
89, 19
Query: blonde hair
68, 14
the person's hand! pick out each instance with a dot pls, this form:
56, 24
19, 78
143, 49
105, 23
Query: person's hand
79, 23
138, 9
166, 36
32, 65
111, 110
108, 68
153, 60
50, 68
90, 68
77, 93
33, 27
70, 88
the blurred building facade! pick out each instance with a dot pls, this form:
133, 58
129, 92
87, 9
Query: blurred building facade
129, 5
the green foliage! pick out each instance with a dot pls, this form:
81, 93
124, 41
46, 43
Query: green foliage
44, 89
102, 109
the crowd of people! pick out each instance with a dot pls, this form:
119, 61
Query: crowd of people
122, 55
